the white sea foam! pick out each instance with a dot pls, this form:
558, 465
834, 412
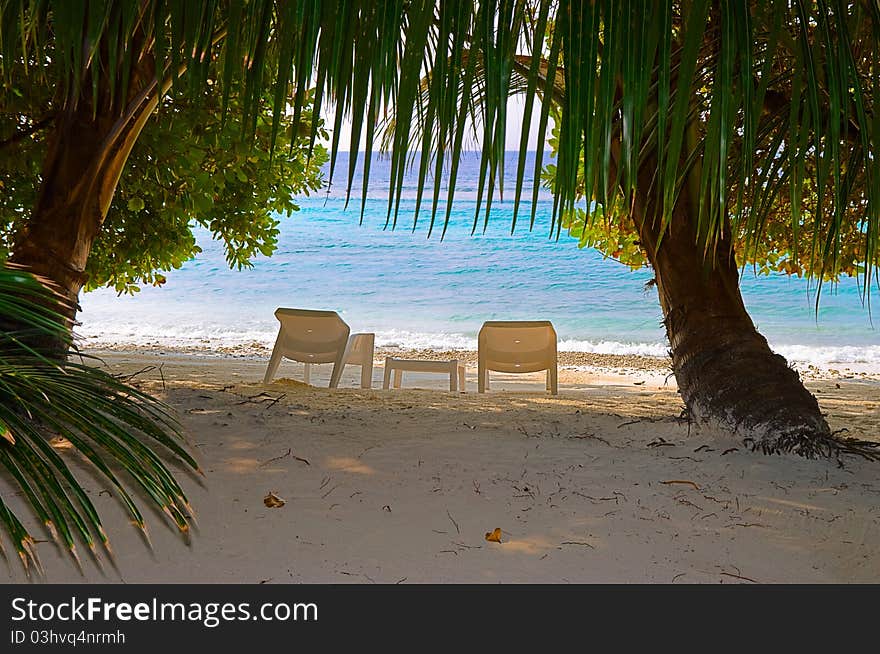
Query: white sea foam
202, 335
614, 347
825, 356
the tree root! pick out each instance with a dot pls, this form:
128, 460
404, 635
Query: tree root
811, 445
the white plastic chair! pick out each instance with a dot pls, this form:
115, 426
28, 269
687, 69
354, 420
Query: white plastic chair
311, 337
517, 346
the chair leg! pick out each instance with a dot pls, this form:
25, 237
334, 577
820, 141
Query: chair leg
453, 376
367, 374
461, 382
482, 378
274, 362
307, 373
336, 375
386, 379
552, 380
398, 377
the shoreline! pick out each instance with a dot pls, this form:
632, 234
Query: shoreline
600, 363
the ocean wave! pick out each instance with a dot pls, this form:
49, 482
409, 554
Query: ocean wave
614, 347
826, 355
205, 336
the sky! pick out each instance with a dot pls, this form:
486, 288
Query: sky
514, 126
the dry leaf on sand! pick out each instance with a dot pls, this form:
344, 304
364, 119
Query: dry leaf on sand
273, 501
494, 536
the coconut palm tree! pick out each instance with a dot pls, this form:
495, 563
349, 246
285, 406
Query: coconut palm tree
52, 414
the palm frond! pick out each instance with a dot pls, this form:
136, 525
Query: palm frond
50, 412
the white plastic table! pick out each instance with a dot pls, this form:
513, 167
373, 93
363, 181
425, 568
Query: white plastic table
453, 368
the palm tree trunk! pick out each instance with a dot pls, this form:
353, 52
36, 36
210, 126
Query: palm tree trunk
86, 152
726, 372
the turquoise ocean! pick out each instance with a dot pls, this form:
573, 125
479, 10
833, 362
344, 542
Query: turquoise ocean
415, 291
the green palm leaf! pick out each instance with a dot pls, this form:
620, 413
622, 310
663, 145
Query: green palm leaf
121, 431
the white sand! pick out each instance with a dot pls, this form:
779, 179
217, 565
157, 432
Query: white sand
602, 484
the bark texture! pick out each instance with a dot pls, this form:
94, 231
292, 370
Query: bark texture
726, 372
87, 148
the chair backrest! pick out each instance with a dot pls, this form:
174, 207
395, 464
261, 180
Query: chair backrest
517, 346
312, 336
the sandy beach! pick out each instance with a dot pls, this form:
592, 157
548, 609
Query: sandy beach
604, 483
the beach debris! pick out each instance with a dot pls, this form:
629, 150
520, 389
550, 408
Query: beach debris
263, 398
638, 383
729, 450
578, 542
449, 515
494, 536
386, 508
288, 453
273, 501
743, 577
276, 458
686, 482
660, 442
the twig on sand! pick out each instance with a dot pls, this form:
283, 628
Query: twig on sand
457, 530
329, 491
252, 399
631, 422
276, 458
613, 498
289, 453
467, 547
144, 370
730, 574
681, 481
747, 524
591, 437
263, 397
400, 581
577, 542
275, 401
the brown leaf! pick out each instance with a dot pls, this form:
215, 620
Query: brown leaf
273, 501
494, 536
